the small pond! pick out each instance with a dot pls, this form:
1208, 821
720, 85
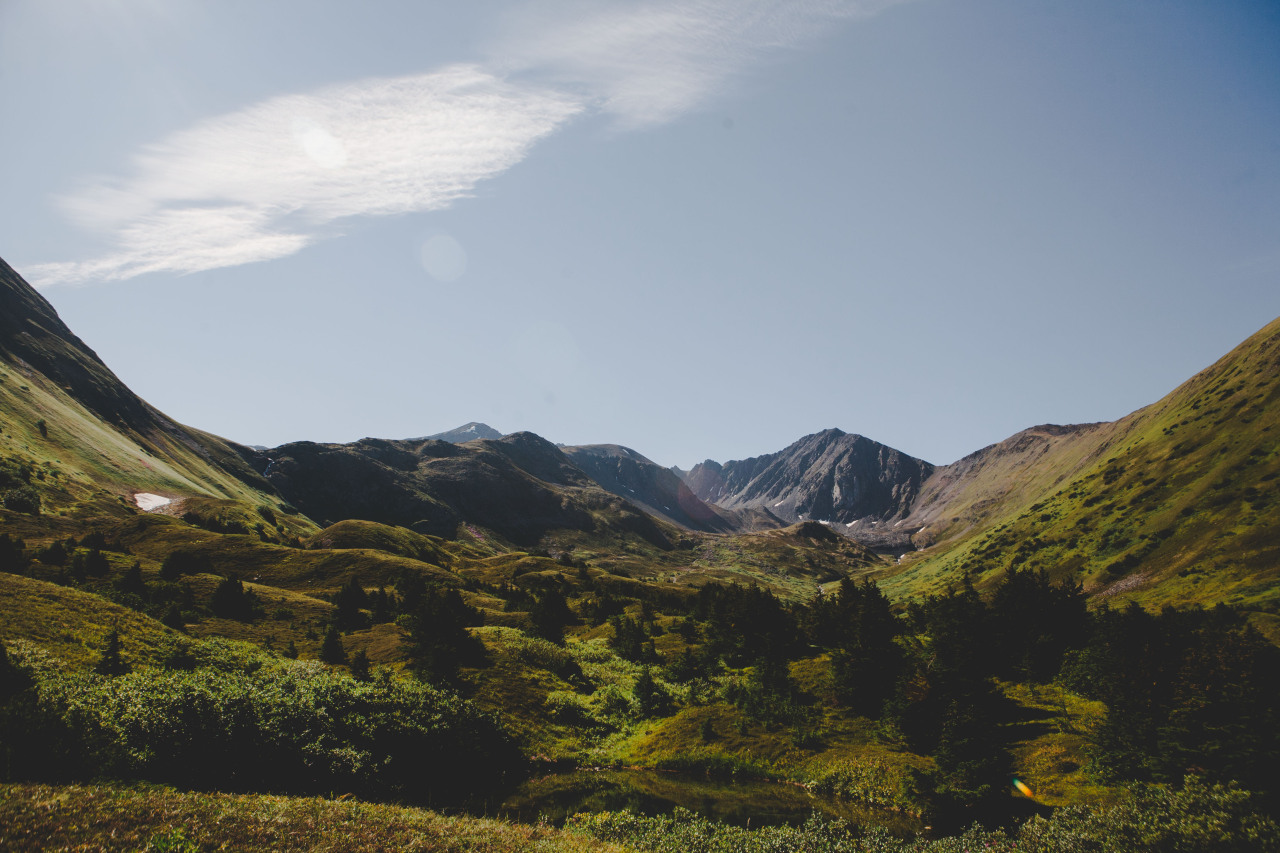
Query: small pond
557, 796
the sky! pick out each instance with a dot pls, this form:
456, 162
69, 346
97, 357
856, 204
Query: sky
699, 229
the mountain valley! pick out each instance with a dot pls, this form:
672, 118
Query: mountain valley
333, 618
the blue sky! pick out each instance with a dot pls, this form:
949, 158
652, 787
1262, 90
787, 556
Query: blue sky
699, 229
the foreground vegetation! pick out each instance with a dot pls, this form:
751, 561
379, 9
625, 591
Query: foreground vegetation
1198, 818
156, 820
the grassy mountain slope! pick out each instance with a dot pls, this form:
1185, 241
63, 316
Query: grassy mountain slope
80, 436
1173, 504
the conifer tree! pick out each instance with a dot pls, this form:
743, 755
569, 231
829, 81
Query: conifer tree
349, 601
173, 618
131, 581
331, 651
550, 614
438, 641
112, 663
360, 666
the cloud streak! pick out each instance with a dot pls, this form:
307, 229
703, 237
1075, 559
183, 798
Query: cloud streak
264, 182
269, 180
648, 63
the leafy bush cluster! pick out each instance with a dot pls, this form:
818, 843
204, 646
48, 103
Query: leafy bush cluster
1198, 818
250, 722
16, 493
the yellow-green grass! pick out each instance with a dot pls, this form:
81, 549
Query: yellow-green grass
516, 686
844, 757
277, 524
1050, 745
314, 572
89, 454
74, 625
98, 817
1176, 505
370, 535
787, 562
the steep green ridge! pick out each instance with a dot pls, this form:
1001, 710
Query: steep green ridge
1173, 504
82, 435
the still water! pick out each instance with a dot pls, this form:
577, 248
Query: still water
557, 796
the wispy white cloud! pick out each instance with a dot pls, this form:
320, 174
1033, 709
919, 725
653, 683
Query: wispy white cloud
649, 62
266, 181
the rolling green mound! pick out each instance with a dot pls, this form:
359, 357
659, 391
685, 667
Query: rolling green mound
354, 533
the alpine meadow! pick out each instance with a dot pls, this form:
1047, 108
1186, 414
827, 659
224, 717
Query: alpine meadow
641, 426
1067, 638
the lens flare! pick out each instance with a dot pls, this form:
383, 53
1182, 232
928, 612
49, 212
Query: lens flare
1023, 789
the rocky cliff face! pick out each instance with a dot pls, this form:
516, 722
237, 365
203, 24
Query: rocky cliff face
851, 482
660, 492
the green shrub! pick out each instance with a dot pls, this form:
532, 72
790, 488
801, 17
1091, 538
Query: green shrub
1199, 818
22, 499
273, 724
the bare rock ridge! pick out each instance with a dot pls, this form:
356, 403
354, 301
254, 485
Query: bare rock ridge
466, 432
848, 481
660, 492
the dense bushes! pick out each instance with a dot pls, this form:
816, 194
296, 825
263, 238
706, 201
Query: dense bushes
1184, 689
252, 722
1199, 818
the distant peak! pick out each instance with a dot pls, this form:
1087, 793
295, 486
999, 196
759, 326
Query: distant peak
467, 432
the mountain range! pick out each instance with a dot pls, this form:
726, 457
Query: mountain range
1174, 503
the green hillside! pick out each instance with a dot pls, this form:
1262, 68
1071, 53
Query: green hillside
1174, 504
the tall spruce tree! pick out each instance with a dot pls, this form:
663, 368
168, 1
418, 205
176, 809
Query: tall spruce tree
112, 662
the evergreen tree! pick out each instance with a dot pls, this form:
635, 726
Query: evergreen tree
95, 564
12, 680
231, 600
1186, 690
112, 663
13, 558
1034, 623
331, 651
360, 666
866, 661
53, 554
438, 640
131, 581
946, 704
744, 624
349, 601
550, 614
185, 562
173, 618
651, 699
628, 639
383, 607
